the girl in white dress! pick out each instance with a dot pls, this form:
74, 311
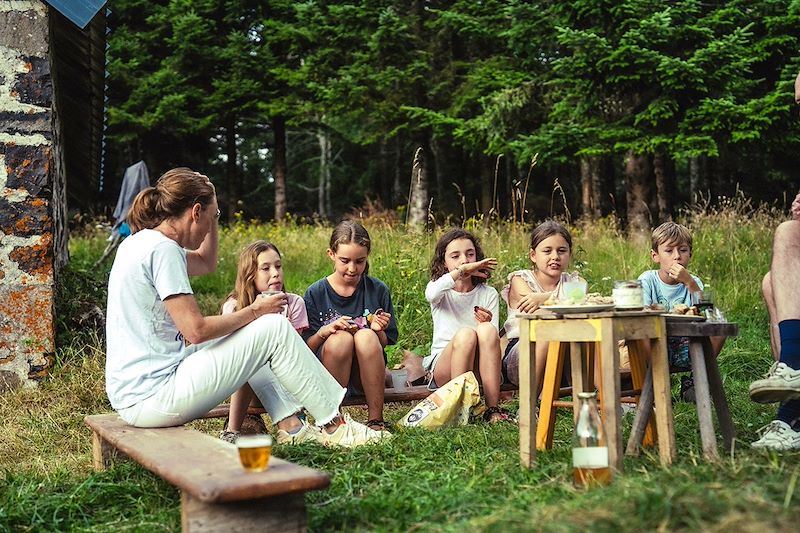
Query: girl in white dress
465, 317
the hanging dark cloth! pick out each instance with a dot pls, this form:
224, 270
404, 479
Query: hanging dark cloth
135, 179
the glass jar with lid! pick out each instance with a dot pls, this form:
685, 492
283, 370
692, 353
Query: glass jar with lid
628, 294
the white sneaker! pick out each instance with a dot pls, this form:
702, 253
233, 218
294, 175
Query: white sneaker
781, 383
352, 433
229, 436
306, 433
778, 436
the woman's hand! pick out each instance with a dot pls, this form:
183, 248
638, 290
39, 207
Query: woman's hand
482, 314
269, 303
380, 320
480, 269
208, 181
796, 208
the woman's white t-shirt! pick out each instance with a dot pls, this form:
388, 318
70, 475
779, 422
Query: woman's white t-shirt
143, 345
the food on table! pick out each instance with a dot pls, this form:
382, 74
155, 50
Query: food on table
595, 298
683, 309
592, 299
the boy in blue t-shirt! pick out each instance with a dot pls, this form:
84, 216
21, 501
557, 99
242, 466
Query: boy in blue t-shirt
673, 284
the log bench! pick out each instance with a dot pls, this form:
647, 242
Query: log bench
390, 395
216, 493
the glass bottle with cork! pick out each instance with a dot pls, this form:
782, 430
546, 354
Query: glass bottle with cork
589, 449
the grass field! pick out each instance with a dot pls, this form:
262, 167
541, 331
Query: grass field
456, 479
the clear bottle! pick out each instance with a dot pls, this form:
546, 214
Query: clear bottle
589, 449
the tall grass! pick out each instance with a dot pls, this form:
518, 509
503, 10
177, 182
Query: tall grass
455, 479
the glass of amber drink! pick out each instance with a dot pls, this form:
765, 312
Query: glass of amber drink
254, 451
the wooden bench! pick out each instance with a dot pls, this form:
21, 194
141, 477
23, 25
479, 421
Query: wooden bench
216, 493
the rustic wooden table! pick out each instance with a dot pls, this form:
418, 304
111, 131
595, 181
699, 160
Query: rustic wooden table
606, 328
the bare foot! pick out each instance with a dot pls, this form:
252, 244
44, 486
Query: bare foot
413, 365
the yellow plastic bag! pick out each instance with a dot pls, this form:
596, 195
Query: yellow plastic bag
449, 405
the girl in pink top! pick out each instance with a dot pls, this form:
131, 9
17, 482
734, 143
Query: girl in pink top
260, 275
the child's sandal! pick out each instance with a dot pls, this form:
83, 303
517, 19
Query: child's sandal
377, 425
502, 415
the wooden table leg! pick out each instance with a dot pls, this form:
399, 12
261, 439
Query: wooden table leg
527, 396
638, 364
662, 396
551, 386
708, 437
718, 395
609, 368
644, 412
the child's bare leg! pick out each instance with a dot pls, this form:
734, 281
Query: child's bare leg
489, 362
239, 402
769, 300
337, 356
371, 366
457, 357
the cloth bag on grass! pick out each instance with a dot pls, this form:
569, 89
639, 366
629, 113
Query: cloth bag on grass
449, 405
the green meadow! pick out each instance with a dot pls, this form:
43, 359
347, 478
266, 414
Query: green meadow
457, 479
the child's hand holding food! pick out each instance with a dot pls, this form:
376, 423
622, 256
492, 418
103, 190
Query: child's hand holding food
380, 320
482, 314
343, 323
680, 274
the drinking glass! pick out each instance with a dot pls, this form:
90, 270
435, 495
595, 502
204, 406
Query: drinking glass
704, 301
285, 310
573, 289
254, 451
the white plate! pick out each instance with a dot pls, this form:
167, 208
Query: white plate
688, 318
582, 308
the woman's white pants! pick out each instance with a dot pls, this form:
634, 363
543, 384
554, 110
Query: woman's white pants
268, 353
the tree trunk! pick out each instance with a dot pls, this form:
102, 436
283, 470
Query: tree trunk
418, 192
509, 183
695, 176
664, 171
637, 178
382, 180
323, 191
397, 188
231, 170
591, 187
438, 168
279, 166
718, 174
486, 176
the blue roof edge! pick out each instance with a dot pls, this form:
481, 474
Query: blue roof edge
79, 12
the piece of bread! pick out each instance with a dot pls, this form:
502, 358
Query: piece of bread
680, 309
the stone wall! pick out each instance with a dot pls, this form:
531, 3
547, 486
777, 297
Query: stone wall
28, 181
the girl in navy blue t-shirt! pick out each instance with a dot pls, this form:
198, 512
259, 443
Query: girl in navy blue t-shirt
351, 319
